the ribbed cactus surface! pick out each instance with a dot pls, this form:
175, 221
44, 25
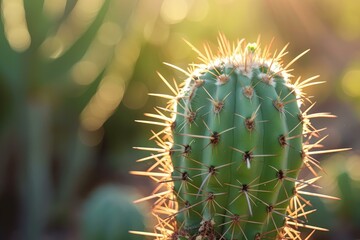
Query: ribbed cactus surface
232, 147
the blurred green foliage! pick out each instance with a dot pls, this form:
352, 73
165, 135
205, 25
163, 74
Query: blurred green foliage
74, 74
342, 179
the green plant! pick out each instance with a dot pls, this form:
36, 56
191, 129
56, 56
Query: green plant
234, 141
54, 56
109, 213
342, 179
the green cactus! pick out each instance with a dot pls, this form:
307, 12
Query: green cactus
342, 179
109, 214
231, 150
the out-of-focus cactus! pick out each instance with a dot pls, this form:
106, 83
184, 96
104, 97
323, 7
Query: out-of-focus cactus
109, 214
53, 57
233, 144
342, 179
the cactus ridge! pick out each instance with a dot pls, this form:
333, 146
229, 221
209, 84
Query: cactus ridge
233, 142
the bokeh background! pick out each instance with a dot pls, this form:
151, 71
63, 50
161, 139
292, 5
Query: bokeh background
75, 74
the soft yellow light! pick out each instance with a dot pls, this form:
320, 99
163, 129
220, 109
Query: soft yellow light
157, 32
19, 38
172, 47
126, 54
54, 9
353, 166
78, 21
15, 25
109, 33
103, 103
347, 19
13, 12
92, 116
199, 10
84, 72
52, 47
90, 123
136, 95
87, 9
174, 11
351, 83
112, 87
111, 91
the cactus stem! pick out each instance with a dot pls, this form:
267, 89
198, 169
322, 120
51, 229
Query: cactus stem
211, 173
222, 79
250, 122
244, 189
201, 194
248, 91
282, 140
234, 222
248, 156
279, 105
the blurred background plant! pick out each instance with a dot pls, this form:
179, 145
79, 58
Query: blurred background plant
75, 74
342, 179
109, 213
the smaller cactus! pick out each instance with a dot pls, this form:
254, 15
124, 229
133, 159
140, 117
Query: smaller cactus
233, 144
109, 214
342, 179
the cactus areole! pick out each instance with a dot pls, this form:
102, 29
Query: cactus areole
232, 143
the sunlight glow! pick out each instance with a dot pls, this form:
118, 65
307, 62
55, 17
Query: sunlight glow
54, 9
77, 22
198, 11
174, 11
109, 34
84, 72
15, 26
103, 103
136, 95
353, 166
351, 83
86, 10
52, 47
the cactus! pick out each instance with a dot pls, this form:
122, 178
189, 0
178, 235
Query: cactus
234, 141
342, 179
109, 214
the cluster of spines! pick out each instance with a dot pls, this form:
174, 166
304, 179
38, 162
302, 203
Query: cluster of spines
171, 209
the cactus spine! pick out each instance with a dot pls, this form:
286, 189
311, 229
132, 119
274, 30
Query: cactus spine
229, 156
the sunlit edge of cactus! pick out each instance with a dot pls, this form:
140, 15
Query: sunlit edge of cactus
242, 55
